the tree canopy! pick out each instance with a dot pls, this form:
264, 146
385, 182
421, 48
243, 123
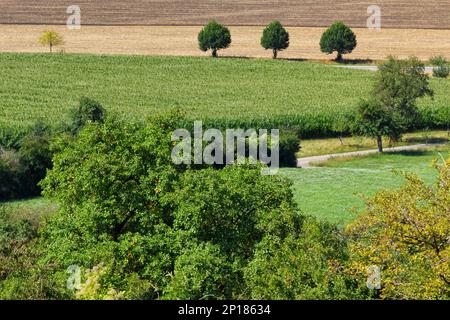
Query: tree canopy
338, 38
275, 37
214, 37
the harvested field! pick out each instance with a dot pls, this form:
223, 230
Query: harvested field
182, 41
416, 14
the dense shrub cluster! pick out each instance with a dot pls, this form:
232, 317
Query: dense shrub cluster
25, 154
21, 169
441, 67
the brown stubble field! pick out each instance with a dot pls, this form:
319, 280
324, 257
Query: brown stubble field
414, 14
170, 27
182, 41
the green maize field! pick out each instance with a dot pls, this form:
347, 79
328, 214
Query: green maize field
224, 92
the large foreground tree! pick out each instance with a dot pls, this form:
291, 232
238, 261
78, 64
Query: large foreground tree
140, 227
405, 234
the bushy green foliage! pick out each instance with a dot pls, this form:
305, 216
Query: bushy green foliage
438, 61
275, 37
405, 233
88, 111
202, 272
441, 71
375, 121
20, 275
400, 83
338, 38
214, 37
300, 260
170, 231
22, 169
441, 67
289, 147
11, 137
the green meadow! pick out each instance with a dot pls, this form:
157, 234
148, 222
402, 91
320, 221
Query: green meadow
335, 191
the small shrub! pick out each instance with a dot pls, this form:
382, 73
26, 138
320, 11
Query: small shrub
441, 71
88, 111
11, 137
51, 39
289, 147
438, 61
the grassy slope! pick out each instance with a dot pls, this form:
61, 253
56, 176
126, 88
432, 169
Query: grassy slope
332, 191
46, 86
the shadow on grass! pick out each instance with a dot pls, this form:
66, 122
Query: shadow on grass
409, 153
356, 61
420, 140
294, 59
232, 57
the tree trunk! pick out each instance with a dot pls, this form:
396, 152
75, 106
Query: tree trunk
380, 144
275, 54
214, 53
339, 57
51, 47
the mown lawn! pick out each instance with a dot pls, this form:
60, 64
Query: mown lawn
330, 192
231, 90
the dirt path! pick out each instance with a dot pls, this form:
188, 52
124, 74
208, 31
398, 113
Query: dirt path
307, 163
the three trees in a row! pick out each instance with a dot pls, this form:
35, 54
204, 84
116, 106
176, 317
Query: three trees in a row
338, 38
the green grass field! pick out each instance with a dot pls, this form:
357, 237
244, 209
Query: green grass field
330, 192
231, 91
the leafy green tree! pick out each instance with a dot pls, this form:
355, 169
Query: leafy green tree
275, 37
393, 106
400, 83
124, 205
214, 37
406, 234
338, 38
375, 121
51, 39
